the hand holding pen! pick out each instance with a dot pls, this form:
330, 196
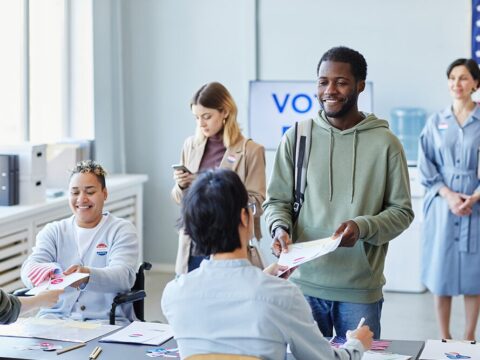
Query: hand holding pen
362, 333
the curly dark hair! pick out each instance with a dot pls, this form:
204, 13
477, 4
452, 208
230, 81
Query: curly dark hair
357, 62
90, 166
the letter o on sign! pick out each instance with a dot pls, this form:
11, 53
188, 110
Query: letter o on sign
305, 105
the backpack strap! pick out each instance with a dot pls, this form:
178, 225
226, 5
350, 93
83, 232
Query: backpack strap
301, 155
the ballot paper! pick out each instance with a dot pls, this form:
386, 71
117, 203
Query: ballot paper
450, 349
300, 253
372, 355
56, 329
138, 332
57, 283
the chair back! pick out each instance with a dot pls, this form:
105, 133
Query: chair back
136, 295
221, 357
138, 306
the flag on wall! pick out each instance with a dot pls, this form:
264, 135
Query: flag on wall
476, 30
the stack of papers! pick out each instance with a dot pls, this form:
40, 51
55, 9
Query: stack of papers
301, 253
56, 329
142, 333
57, 283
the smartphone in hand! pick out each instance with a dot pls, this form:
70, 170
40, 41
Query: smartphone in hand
181, 167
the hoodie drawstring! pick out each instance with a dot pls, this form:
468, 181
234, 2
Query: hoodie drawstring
354, 160
330, 179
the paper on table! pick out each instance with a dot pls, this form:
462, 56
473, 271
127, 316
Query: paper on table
303, 252
60, 282
56, 329
372, 355
436, 349
138, 332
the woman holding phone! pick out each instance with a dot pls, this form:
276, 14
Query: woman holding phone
448, 164
218, 142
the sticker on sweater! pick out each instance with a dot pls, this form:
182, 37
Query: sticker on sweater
231, 159
443, 126
102, 249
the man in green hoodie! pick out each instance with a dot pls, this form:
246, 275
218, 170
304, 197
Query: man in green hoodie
357, 186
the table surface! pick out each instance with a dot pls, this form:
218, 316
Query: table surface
14, 348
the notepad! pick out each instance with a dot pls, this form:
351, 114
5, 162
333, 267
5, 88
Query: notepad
451, 349
138, 332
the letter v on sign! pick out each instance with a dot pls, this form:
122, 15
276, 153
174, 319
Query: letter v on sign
280, 107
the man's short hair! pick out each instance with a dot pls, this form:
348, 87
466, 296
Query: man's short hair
211, 212
357, 62
90, 166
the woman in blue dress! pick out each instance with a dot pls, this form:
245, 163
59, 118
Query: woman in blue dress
448, 164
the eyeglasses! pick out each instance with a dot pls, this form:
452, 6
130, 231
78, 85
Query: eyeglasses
253, 206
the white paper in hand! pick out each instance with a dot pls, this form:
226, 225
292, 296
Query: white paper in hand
57, 283
303, 252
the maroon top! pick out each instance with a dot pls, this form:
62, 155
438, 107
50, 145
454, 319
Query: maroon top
213, 154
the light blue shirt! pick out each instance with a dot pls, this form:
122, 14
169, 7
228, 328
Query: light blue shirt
230, 306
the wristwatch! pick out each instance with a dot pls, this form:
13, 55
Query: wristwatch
281, 227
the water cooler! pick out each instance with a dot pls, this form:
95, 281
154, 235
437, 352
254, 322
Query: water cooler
403, 262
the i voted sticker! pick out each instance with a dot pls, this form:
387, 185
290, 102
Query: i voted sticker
102, 249
231, 159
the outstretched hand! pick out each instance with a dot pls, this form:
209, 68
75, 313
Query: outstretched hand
79, 269
349, 231
280, 241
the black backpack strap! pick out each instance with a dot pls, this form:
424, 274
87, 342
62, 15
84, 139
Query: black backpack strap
301, 155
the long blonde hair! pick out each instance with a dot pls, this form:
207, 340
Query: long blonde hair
216, 96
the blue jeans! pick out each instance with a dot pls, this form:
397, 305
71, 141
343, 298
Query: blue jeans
344, 316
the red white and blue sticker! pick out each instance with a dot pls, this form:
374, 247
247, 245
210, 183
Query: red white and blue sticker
102, 249
231, 159
442, 126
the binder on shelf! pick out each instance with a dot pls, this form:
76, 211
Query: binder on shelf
9, 180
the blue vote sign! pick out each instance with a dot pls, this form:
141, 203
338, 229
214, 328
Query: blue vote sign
276, 105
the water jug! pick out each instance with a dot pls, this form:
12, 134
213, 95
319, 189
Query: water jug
407, 123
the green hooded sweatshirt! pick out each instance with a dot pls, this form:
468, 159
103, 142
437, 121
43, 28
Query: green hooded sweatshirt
358, 174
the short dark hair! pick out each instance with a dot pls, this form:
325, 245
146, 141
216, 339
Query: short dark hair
470, 64
211, 212
357, 62
90, 166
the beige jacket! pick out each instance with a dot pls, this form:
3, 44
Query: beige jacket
247, 159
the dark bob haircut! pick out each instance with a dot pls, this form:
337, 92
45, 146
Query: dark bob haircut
344, 54
211, 212
470, 64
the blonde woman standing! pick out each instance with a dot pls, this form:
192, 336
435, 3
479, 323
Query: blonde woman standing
218, 143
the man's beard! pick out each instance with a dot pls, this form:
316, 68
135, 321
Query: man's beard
351, 101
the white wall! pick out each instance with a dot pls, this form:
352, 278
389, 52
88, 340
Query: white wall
171, 47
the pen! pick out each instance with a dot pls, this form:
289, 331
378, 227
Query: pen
95, 353
73, 347
361, 322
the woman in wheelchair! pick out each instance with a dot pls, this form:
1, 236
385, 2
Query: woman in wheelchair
90, 241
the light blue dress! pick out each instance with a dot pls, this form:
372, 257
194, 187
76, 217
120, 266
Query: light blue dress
448, 156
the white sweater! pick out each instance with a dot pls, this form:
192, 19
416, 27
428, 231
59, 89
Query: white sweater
112, 259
